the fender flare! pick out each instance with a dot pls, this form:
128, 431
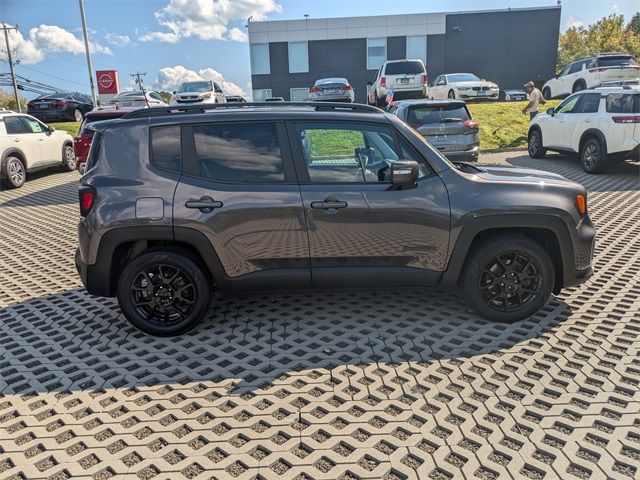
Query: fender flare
592, 132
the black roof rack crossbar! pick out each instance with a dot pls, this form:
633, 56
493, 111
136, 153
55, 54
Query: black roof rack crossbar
202, 108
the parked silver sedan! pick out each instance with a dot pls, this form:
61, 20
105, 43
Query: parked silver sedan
445, 124
332, 90
136, 99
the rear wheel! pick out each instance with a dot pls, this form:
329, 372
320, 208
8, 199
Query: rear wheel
163, 293
14, 172
77, 114
536, 150
593, 156
68, 158
507, 278
451, 94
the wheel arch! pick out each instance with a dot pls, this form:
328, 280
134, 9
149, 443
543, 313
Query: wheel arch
12, 152
592, 133
579, 81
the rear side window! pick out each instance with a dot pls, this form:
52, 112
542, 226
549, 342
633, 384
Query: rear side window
239, 153
623, 103
15, 125
427, 114
404, 68
165, 147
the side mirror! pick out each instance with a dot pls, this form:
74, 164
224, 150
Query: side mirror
404, 173
174, 92
51, 129
550, 111
369, 84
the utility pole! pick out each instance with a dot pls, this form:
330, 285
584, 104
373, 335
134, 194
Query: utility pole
138, 80
86, 48
13, 75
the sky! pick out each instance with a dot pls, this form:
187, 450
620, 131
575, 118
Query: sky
177, 40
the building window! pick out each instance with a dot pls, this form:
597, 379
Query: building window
260, 94
417, 47
298, 57
299, 94
376, 52
259, 53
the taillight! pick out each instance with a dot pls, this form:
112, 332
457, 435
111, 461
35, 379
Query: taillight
472, 124
425, 79
87, 196
383, 81
315, 89
581, 203
345, 87
60, 103
627, 119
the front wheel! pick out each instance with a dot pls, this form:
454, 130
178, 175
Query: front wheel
164, 293
451, 94
536, 150
507, 278
68, 158
593, 156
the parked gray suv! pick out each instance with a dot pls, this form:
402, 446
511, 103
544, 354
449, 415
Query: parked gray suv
177, 203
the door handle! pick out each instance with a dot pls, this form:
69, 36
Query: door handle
587, 120
329, 205
205, 204
16, 140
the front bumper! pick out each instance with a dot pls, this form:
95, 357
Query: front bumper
490, 95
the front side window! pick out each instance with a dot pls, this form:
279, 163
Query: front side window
417, 47
298, 57
15, 125
568, 105
259, 53
589, 104
576, 67
34, 126
565, 71
348, 154
165, 148
623, 103
376, 52
239, 153
261, 94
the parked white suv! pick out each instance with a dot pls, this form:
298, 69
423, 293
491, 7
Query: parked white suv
602, 125
202, 91
405, 78
590, 72
28, 145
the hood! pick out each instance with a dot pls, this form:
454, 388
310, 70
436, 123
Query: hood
521, 175
475, 83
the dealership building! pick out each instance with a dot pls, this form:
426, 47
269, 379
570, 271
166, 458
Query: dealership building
509, 47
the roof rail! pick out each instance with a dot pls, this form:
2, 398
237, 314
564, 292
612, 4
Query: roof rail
317, 106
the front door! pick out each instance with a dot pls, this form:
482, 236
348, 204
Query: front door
239, 188
362, 229
50, 145
553, 130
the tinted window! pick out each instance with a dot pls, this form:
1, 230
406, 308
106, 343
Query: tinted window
623, 103
589, 104
94, 150
349, 154
241, 153
615, 61
404, 68
427, 114
15, 125
165, 147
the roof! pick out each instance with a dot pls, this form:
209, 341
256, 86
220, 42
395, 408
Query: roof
423, 101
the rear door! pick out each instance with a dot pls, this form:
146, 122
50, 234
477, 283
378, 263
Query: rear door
50, 145
239, 188
582, 117
361, 228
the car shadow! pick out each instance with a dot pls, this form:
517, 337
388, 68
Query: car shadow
75, 342
60, 194
618, 177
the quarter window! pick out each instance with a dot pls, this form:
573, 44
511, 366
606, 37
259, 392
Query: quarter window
165, 148
298, 57
376, 52
348, 154
239, 153
623, 103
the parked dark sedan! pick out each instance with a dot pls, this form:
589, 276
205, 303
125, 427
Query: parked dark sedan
445, 124
57, 107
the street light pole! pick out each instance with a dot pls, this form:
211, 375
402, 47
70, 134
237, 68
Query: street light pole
86, 47
13, 75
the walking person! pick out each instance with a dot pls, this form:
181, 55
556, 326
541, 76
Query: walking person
535, 98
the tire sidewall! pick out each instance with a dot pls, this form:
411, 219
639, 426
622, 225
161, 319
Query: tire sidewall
488, 250
78, 113
8, 179
599, 166
65, 161
539, 151
188, 266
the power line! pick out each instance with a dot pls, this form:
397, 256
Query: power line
53, 76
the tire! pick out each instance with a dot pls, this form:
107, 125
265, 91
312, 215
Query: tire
68, 158
536, 150
78, 115
152, 305
451, 94
494, 278
546, 93
578, 86
15, 173
593, 156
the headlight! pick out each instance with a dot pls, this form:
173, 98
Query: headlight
206, 95
494, 87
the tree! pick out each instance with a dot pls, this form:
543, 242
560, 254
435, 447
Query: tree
8, 101
634, 24
609, 34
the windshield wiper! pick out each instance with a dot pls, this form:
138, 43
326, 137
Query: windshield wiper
450, 120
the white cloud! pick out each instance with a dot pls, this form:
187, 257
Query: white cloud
208, 19
238, 35
47, 39
169, 78
573, 22
117, 40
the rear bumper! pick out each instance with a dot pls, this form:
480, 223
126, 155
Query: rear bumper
331, 98
52, 116
470, 155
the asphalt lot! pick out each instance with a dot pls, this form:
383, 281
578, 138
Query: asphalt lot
389, 385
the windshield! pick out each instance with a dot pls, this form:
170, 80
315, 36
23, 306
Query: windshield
429, 114
404, 68
462, 77
195, 87
620, 60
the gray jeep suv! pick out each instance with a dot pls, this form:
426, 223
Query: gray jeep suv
179, 202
